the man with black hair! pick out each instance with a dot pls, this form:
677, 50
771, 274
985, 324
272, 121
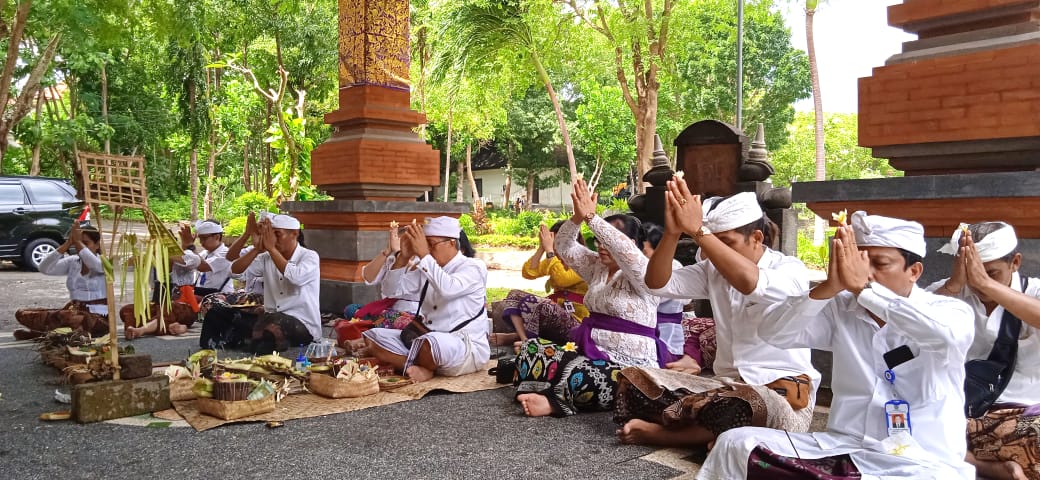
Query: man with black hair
756, 383
898, 377
1003, 442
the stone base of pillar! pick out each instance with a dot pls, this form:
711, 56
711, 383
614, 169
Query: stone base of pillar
347, 234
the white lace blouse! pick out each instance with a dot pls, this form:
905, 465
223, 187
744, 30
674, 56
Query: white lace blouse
622, 295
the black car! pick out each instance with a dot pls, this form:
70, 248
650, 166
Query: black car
36, 214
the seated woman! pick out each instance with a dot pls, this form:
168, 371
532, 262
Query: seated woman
561, 380
396, 308
550, 318
180, 314
87, 309
451, 291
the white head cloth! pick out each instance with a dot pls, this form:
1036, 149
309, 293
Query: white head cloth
729, 213
994, 246
447, 227
878, 231
206, 227
285, 221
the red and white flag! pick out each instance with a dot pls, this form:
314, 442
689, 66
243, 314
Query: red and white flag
85, 215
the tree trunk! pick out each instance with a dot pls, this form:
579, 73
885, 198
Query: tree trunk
210, 175
34, 168
509, 181
530, 185
104, 106
559, 117
447, 160
460, 179
245, 167
478, 203
193, 175
820, 224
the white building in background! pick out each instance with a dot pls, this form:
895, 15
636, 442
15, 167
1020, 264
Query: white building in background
489, 173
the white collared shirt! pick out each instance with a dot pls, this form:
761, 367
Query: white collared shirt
456, 292
741, 353
1024, 386
391, 287
83, 288
183, 272
219, 276
294, 292
937, 331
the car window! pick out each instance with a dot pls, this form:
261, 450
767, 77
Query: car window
48, 192
11, 194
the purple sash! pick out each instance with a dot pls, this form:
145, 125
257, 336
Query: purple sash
582, 335
570, 296
675, 318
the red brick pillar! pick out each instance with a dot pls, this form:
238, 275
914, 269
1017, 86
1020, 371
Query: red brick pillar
374, 164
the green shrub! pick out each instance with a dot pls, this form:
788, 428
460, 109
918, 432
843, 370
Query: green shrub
496, 240
466, 222
252, 202
811, 255
235, 227
171, 209
618, 205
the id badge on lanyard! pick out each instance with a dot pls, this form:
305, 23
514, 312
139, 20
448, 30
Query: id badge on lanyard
897, 411
568, 306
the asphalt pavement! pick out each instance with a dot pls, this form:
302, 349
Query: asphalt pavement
474, 435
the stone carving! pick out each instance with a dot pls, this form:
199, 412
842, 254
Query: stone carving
373, 43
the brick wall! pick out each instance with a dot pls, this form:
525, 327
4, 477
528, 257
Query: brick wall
985, 95
911, 11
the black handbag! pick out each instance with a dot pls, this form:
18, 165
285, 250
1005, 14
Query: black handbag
417, 327
505, 371
985, 379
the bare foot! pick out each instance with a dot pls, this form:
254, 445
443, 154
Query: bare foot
132, 332
641, 432
1014, 471
177, 329
686, 364
535, 404
418, 374
500, 339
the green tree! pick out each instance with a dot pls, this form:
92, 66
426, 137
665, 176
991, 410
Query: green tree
794, 161
476, 34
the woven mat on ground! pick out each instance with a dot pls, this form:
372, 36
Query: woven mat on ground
310, 405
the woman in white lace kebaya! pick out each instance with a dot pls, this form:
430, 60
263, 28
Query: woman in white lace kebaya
620, 331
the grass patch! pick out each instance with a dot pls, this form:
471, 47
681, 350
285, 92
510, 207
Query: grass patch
495, 294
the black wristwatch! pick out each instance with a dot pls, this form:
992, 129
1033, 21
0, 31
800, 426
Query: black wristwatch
550, 254
190, 247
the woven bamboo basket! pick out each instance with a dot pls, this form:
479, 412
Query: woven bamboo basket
180, 390
231, 391
356, 386
235, 410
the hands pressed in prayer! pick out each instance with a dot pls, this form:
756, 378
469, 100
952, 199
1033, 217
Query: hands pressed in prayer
971, 265
853, 266
584, 201
416, 239
393, 243
251, 227
683, 211
546, 238
264, 236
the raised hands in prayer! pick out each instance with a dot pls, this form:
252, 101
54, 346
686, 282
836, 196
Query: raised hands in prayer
584, 201
683, 211
853, 265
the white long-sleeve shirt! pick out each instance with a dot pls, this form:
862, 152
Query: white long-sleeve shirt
294, 292
740, 352
623, 295
83, 288
1024, 386
456, 292
937, 331
391, 287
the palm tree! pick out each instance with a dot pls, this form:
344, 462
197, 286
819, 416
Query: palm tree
814, 73
473, 36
